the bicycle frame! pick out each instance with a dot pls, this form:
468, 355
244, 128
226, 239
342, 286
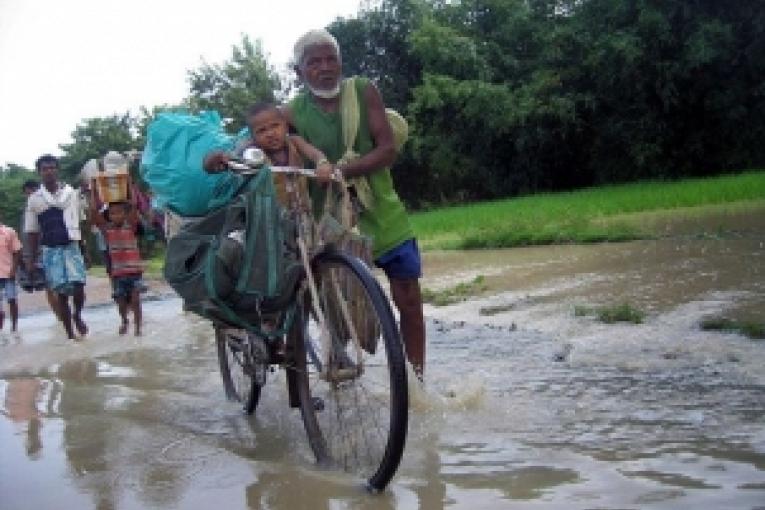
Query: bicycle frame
252, 164
344, 359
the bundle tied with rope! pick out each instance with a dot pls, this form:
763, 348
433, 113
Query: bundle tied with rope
344, 201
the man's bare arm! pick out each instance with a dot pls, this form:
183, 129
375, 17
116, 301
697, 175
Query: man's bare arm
94, 216
15, 263
33, 238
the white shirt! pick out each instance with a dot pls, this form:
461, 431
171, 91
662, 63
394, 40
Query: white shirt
66, 198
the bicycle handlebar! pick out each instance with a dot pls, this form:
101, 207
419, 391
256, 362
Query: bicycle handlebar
253, 159
241, 167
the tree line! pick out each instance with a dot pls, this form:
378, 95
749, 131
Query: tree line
511, 97
508, 97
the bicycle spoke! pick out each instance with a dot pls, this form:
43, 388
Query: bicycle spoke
362, 426
236, 368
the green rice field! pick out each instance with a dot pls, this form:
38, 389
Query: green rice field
607, 213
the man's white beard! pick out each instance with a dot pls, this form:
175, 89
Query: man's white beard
324, 93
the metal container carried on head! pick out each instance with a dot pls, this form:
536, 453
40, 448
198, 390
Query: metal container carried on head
112, 181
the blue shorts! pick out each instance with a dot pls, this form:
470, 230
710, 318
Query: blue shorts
8, 288
123, 286
64, 267
402, 262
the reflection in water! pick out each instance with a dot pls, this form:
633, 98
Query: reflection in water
304, 489
21, 396
432, 493
486, 467
86, 434
658, 415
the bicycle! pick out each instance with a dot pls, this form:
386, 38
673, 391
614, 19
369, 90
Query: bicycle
345, 370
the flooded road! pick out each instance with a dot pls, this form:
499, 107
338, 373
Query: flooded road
526, 405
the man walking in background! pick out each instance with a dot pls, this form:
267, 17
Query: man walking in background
34, 281
52, 218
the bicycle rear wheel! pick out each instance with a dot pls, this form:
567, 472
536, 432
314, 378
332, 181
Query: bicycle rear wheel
353, 393
236, 367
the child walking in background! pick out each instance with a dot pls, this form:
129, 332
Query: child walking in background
10, 255
119, 228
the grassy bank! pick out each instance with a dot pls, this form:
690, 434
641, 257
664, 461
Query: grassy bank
751, 329
608, 213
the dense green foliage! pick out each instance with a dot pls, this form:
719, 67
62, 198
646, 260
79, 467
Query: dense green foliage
512, 97
12, 199
93, 138
231, 87
518, 96
752, 329
376, 44
606, 213
610, 314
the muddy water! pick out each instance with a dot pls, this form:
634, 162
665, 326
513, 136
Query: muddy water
526, 405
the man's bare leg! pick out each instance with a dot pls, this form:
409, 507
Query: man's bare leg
13, 307
122, 307
135, 304
408, 300
78, 300
66, 315
53, 303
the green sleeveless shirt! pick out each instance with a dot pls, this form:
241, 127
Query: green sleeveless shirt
386, 222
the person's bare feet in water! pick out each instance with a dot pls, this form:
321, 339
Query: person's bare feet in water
123, 327
82, 329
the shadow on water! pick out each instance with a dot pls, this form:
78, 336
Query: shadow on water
529, 407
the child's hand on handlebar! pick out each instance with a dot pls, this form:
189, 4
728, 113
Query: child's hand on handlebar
324, 171
216, 161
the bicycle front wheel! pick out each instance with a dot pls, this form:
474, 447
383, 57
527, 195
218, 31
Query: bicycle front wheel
352, 379
236, 367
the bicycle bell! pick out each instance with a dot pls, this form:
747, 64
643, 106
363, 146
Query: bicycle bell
254, 157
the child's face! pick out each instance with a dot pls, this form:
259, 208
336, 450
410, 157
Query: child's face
117, 214
269, 130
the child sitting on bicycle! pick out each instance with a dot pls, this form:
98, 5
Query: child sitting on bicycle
119, 224
268, 128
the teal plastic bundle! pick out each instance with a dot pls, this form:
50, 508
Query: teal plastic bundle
171, 163
238, 260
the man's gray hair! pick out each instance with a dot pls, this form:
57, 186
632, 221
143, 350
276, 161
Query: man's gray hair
313, 38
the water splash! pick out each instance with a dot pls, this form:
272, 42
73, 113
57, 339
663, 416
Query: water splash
468, 393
